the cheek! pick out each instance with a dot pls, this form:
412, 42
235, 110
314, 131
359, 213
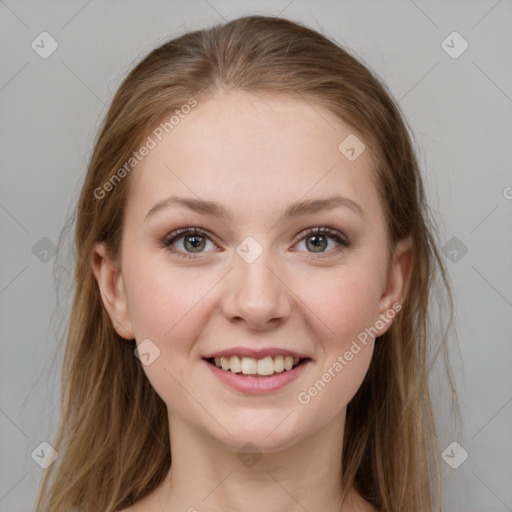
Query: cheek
166, 308
163, 301
345, 302
345, 305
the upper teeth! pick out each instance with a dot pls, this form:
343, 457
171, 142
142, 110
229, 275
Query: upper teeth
251, 366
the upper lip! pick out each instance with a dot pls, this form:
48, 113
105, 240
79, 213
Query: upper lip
259, 353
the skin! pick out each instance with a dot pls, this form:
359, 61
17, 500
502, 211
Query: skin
254, 155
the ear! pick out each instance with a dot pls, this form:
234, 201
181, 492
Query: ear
397, 283
111, 285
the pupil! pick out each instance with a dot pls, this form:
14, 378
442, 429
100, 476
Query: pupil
317, 243
196, 242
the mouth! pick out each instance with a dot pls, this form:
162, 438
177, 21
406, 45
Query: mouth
267, 366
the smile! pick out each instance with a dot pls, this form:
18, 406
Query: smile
254, 383
264, 367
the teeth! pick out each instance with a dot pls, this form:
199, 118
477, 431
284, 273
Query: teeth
266, 366
278, 364
235, 364
251, 366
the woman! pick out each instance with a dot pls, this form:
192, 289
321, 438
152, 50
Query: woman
254, 258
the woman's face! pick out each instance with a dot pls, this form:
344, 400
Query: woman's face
253, 175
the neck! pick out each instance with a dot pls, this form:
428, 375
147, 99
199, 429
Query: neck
208, 475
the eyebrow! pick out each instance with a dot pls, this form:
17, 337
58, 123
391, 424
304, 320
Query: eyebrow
298, 208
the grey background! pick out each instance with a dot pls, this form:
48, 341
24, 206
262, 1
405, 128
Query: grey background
459, 110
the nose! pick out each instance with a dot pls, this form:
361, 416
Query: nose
256, 295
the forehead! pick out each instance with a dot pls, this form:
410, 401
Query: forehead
255, 152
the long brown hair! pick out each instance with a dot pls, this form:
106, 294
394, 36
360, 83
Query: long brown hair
113, 439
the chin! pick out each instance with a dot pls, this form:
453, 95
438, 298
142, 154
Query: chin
260, 431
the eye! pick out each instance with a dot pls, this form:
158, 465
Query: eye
317, 240
191, 240
186, 242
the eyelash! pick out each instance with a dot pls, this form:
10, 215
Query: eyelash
319, 231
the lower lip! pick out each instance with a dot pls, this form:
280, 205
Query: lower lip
258, 385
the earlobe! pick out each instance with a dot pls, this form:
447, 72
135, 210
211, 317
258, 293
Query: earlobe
112, 290
398, 280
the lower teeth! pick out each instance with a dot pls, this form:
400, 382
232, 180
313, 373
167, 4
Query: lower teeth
212, 362
256, 374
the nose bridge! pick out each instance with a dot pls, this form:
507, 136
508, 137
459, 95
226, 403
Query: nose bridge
254, 292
